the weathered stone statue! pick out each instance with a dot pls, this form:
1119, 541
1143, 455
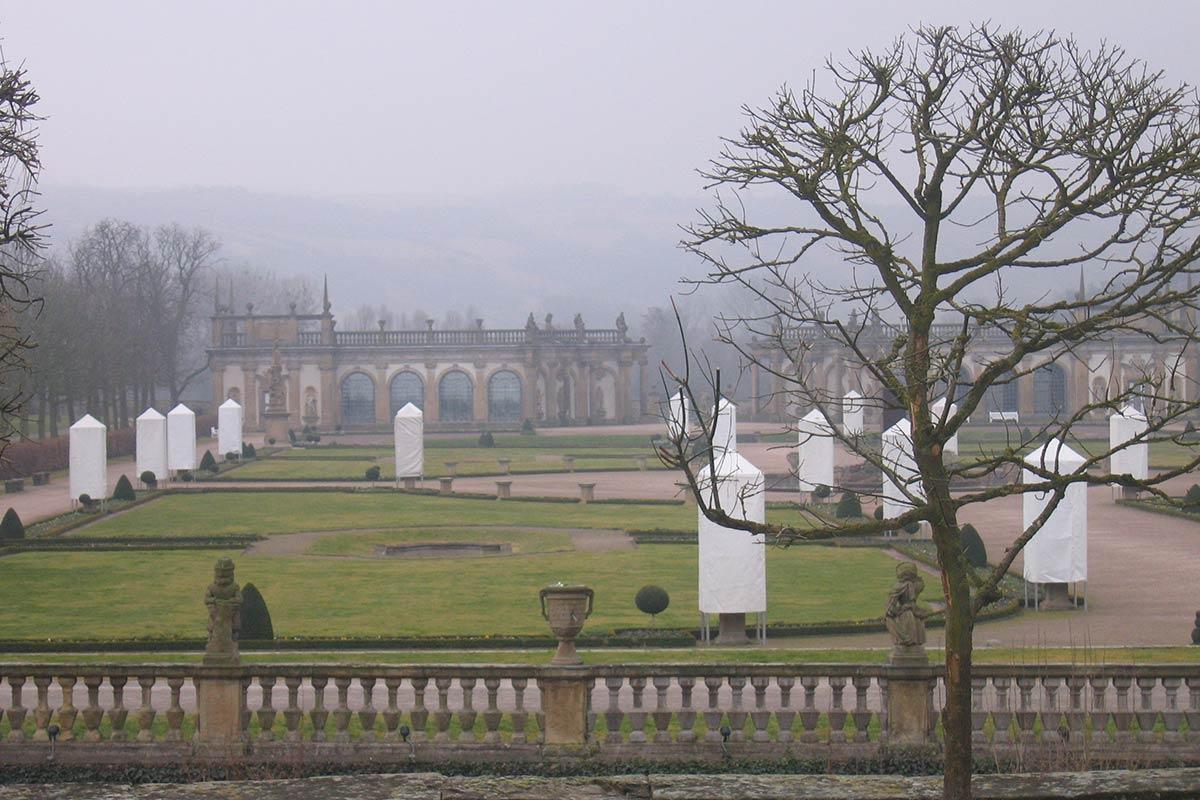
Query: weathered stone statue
276, 392
621, 326
579, 323
905, 620
530, 324
224, 601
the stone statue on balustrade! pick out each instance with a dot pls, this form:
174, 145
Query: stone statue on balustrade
224, 601
905, 620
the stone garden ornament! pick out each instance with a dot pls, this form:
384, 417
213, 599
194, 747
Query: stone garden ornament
905, 620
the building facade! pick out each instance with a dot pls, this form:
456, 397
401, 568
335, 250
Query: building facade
460, 379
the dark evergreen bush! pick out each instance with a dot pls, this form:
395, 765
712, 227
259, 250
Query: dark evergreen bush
248, 450
86, 501
124, 490
149, 479
821, 491
973, 547
878, 512
1190, 427
186, 475
912, 527
486, 439
848, 507
271, 440
1026, 434
527, 428
291, 436
231, 456
207, 462
652, 600
1191, 500
372, 473
256, 619
11, 526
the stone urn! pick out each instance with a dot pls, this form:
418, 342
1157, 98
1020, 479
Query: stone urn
566, 608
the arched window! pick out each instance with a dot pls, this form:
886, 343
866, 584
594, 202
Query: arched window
1049, 390
358, 399
407, 387
456, 400
504, 397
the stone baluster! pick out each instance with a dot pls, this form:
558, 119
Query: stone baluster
1172, 714
737, 710
637, 716
292, 715
1123, 716
442, 716
419, 714
175, 711
266, 709
1052, 723
837, 712
612, 713
1099, 709
1076, 715
761, 715
1146, 714
92, 712
785, 715
146, 713
467, 715
341, 713
979, 712
539, 720
688, 718
246, 715
862, 711
67, 710
319, 715
1192, 715
41, 712
492, 716
17, 711
118, 714
1026, 712
713, 714
662, 710
391, 714
591, 712
810, 715
520, 716
1002, 716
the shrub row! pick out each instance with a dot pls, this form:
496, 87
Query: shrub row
73, 543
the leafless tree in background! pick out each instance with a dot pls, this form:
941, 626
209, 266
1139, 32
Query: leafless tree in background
1055, 159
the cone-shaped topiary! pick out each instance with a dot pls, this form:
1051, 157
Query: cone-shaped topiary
486, 439
1191, 500
527, 428
256, 619
124, 490
208, 463
11, 526
248, 450
652, 600
848, 507
973, 547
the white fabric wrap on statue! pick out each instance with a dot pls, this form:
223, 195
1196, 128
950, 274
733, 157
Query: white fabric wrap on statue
852, 413
1058, 552
409, 430
815, 465
733, 563
181, 438
725, 429
678, 415
88, 458
229, 428
151, 444
935, 411
1124, 426
896, 452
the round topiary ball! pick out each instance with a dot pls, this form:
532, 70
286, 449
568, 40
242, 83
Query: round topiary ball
821, 491
652, 600
149, 479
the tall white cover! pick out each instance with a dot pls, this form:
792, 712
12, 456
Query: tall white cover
725, 429
896, 452
1058, 552
408, 428
733, 563
151, 444
1125, 426
677, 415
852, 413
88, 458
935, 411
229, 427
815, 465
181, 438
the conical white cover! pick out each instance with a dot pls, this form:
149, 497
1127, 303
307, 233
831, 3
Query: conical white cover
229, 427
935, 411
896, 452
725, 429
87, 443
678, 415
733, 563
408, 429
1058, 552
181, 438
852, 413
151, 445
815, 465
1125, 426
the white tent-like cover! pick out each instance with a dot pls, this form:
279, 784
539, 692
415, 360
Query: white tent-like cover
936, 411
88, 458
408, 429
1058, 552
181, 438
815, 465
1125, 426
677, 415
725, 429
896, 452
852, 414
151, 445
229, 427
733, 563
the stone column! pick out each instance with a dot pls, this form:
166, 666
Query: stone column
220, 696
218, 384
250, 400
480, 395
383, 405
330, 403
643, 377
529, 392
295, 402
431, 400
582, 388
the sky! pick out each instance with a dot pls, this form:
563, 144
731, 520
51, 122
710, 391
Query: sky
519, 157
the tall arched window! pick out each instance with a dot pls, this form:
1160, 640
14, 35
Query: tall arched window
504, 397
456, 400
358, 399
407, 387
1049, 390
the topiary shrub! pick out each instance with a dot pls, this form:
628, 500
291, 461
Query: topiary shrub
291, 436
527, 428
148, 479
373, 473
486, 439
1191, 500
124, 490
821, 491
652, 600
973, 547
256, 619
271, 440
231, 456
1026, 434
207, 462
878, 512
911, 528
848, 507
186, 475
86, 501
11, 526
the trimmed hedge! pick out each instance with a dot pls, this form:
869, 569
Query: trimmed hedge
973, 547
124, 490
256, 619
11, 527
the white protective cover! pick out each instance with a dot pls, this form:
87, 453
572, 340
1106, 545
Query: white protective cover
935, 411
1124, 426
733, 563
181, 438
229, 428
409, 430
815, 465
852, 413
88, 458
1058, 552
725, 429
152, 444
677, 415
896, 452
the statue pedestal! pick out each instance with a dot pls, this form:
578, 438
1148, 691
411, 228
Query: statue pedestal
909, 697
1057, 597
731, 629
275, 425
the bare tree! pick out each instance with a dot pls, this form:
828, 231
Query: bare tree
1052, 159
